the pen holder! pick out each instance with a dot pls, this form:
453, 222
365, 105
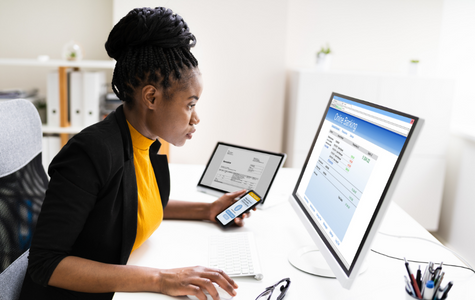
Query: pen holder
410, 297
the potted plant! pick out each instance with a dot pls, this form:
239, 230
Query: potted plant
324, 58
413, 63
72, 51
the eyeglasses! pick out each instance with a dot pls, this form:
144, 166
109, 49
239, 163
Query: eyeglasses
283, 287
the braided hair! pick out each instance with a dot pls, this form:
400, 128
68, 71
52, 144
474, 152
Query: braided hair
150, 45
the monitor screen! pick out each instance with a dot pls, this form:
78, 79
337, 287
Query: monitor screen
346, 176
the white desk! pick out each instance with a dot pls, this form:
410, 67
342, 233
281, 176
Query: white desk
278, 232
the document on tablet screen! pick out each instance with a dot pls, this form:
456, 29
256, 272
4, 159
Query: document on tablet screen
240, 169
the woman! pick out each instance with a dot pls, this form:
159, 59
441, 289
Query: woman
109, 189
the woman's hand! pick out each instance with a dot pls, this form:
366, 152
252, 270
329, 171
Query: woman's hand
225, 201
193, 281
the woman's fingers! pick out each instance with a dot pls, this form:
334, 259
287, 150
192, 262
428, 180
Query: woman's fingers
220, 278
240, 220
222, 203
194, 281
235, 195
200, 285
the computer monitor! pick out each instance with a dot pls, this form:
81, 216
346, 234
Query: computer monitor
347, 180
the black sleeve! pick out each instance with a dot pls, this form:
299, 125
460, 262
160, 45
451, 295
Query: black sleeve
77, 174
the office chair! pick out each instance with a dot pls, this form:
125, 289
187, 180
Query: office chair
23, 183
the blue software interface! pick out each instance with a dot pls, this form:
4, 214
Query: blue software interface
348, 168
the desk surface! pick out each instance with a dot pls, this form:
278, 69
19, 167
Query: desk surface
278, 231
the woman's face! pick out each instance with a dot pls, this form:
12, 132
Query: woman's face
174, 118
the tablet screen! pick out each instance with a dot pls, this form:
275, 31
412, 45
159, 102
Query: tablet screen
233, 168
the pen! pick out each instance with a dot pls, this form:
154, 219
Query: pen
413, 280
446, 290
440, 292
437, 283
409, 287
418, 277
437, 272
431, 267
425, 277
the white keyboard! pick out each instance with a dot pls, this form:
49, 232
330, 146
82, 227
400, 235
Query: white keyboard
235, 254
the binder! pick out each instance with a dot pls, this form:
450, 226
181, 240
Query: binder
76, 103
52, 99
45, 153
95, 88
51, 145
54, 145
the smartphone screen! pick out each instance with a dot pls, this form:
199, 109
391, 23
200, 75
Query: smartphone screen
239, 207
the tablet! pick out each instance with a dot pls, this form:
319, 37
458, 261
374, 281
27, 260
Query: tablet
233, 167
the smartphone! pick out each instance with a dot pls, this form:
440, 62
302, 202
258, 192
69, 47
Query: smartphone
243, 205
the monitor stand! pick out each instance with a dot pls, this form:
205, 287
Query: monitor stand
308, 259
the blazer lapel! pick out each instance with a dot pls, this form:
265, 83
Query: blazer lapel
162, 173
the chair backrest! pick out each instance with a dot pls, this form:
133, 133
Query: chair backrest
11, 279
23, 180
20, 135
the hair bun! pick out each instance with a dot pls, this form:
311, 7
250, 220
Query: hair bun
146, 26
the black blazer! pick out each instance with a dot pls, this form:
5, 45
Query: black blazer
90, 207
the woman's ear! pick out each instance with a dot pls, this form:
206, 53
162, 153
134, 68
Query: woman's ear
150, 96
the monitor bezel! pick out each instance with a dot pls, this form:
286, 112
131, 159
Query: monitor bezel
346, 275
215, 191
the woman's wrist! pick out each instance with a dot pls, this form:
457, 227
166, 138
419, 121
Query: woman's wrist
209, 212
187, 210
144, 279
157, 280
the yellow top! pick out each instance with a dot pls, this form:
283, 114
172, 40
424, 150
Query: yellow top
149, 210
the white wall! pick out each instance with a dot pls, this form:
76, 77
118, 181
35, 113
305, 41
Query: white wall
365, 35
31, 28
457, 218
457, 59
241, 54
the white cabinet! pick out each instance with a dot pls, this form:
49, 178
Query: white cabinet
419, 191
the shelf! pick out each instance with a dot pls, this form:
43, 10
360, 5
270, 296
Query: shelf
57, 129
65, 130
62, 65
103, 64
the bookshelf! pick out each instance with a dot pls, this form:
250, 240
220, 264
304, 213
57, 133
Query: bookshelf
64, 130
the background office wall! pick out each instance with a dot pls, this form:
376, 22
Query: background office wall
457, 59
364, 35
31, 28
458, 206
